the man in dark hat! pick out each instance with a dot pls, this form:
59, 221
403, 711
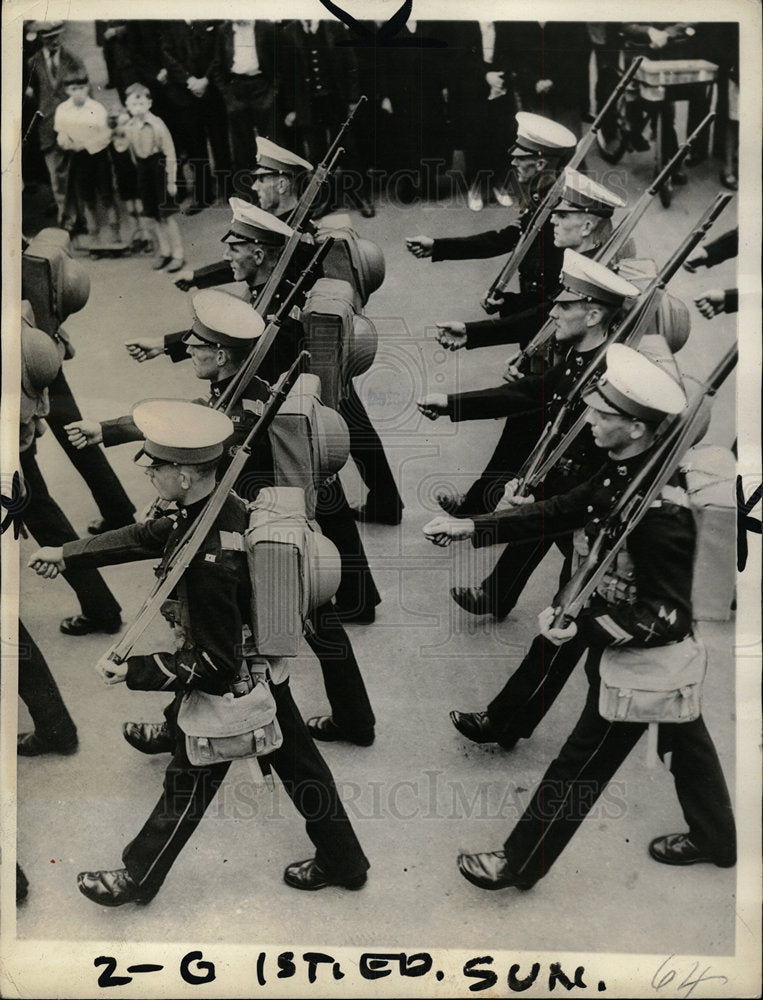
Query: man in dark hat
47, 70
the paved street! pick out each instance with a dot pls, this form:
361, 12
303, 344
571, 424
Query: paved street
421, 792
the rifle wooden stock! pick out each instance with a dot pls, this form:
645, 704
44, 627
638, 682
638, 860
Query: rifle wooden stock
657, 469
501, 283
629, 332
248, 370
192, 540
608, 251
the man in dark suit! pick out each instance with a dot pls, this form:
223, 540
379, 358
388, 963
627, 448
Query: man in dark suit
47, 69
320, 84
197, 111
244, 73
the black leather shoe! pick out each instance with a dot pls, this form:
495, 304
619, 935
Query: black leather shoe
367, 210
307, 875
82, 625
323, 727
32, 745
110, 888
475, 726
369, 513
679, 177
100, 524
476, 601
638, 143
451, 504
680, 849
149, 737
22, 884
490, 871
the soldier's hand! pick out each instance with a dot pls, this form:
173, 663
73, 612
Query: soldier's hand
111, 672
442, 530
419, 246
434, 405
452, 336
84, 432
290, 119
512, 498
144, 349
557, 636
491, 303
711, 302
184, 279
511, 373
697, 259
48, 562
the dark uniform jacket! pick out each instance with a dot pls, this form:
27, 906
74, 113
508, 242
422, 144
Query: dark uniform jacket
211, 603
264, 41
658, 609
539, 271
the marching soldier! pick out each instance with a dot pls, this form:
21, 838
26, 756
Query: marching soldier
277, 176
183, 445
645, 602
581, 221
253, 243
590, 297
537, 158
223, 333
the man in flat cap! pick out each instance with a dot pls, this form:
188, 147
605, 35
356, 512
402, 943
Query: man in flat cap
538, 155
643, 601
591, 296
223, 334
47, 70
182, 448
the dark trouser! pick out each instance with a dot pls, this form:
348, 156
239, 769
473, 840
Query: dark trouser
188, 791
92, 185
252, 111
514, 567
368, 454
115, 506
529, 693
357, 590
192, 126
49, 526
514, 445
589, 760
350, 708
39, 692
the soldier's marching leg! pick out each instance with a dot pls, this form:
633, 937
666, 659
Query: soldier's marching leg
383, 503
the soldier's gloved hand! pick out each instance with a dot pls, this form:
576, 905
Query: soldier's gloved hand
511, 373
84, 432
144, 349
48, 562
184, 280
111, 672
452, 335
711, 303
511, 498
442, 530
419, 246
434, 405
557, 636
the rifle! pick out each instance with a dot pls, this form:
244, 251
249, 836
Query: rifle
501, 282
248, 370
301, 210
608, 252
659, 465
194, 537
630, 331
